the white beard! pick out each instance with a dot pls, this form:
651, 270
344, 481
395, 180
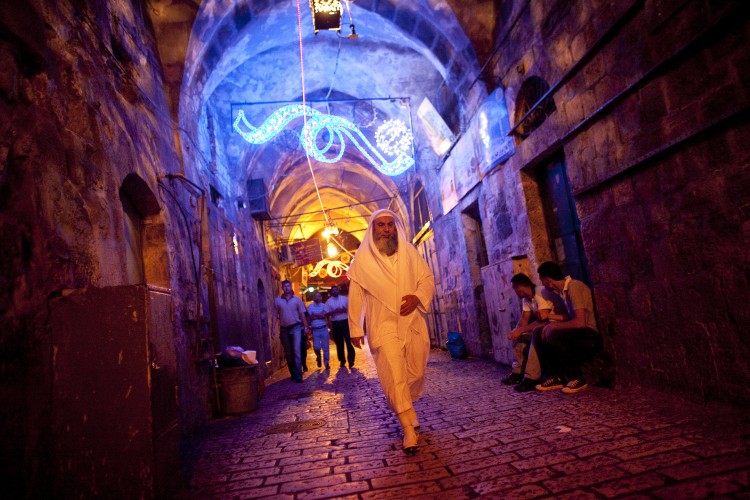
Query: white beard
387, 246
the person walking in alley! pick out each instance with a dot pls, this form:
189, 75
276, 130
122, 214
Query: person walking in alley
336, 309
391, 290
537, 308
290, 312
319, 326
565, 345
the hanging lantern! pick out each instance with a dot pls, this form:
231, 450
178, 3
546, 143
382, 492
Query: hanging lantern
326, 14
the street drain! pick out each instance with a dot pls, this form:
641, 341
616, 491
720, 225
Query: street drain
302, 425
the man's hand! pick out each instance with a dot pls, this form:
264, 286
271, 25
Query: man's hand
408, 304
514, 334
358, 342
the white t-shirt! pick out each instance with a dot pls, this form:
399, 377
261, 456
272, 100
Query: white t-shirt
337, 303
537, 303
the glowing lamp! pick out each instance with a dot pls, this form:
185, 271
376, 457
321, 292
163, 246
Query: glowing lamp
326, 14
330, 230
311, 289
332, 250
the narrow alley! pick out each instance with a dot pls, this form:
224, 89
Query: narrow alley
479, 438
560, 188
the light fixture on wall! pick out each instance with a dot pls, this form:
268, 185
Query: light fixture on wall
326, 14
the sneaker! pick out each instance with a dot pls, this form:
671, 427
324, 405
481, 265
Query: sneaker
512, 379
550, 384
328, 367
319, 363
575, 385
526, 385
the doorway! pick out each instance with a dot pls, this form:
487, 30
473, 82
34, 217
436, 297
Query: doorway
265, 331
476, 253
561, 218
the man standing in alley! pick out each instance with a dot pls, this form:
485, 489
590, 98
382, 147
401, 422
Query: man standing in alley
319, 326
336, 309
290, 311
391, 291
565, 345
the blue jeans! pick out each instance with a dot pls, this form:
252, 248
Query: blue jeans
291, 339
320, 341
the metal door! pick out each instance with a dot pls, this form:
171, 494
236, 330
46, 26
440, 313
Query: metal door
503, 306
563, 225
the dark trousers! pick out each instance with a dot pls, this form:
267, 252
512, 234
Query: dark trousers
340, 330
564, 351
290, 340
303, 350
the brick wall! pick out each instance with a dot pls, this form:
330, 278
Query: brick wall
652, 127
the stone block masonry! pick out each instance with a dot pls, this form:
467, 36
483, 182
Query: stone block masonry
478, 438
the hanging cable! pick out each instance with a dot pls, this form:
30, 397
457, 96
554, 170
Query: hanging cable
304, 103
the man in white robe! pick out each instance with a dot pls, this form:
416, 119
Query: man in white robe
391, 289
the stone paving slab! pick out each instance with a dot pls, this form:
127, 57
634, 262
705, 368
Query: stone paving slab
478, 439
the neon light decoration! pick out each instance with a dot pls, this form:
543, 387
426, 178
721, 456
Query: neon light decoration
332, 268
336, 127
393, 137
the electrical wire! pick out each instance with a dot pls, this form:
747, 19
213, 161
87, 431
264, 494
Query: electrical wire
304, 103
333, 77
376, 200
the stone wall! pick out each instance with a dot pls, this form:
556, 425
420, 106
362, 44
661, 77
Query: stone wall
651, 122
84, 107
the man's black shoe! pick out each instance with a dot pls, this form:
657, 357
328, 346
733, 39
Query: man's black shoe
512, 379
526, 385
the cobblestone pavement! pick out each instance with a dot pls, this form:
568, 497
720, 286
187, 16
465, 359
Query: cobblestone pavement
479, 438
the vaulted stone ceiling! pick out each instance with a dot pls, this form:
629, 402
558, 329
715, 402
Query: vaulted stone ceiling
247, 51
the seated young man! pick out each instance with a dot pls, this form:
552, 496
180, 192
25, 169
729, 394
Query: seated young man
564, 346
537, 309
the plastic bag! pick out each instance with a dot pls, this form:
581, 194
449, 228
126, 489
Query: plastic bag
456, 346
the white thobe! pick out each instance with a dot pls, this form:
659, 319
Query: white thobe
400, 348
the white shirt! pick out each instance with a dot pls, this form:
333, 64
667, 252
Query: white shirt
536, 304
337, 303
544, 299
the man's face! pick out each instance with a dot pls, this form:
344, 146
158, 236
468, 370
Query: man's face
523, 291
335, 291
385, 234
317, 297
286, 288
385, 227
550, 284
